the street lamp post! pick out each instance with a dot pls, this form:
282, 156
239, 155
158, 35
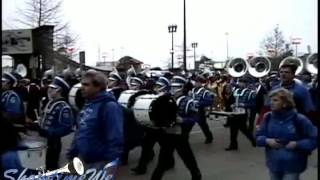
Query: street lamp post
227, 45
194, 46
172, 29
296, 42
184, 37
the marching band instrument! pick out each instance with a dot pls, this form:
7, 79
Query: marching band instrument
33, 154
21, 70
131, 72
125, 96
237, 67
147, 107
294, 60
142, 107
75, 99
74, 167
259, 66
224, 113
312, 63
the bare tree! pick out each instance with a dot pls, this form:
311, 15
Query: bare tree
274, 42
36, 13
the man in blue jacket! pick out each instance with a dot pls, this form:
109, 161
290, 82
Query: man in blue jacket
301, 94
99, 139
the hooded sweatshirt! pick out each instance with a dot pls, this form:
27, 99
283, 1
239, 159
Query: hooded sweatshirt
287, 126
100, 133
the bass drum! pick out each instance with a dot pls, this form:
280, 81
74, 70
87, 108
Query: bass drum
125, 96
75, 98
155, 111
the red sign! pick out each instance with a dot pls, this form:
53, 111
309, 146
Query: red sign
296, 40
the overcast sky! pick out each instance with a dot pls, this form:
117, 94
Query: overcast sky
139, 28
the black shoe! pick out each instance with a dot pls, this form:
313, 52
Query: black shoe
226, 125
208, 141
139, 171
196, 177
254, 144
230, 148
170, 167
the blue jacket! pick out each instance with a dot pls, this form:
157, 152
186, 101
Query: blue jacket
301, 97
203, 96
246, 97
187, 109
100, 133
57, 119
287, 126
11, 104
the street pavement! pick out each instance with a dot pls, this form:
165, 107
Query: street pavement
215, 163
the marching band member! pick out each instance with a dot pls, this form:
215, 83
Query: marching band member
133, 133
172, 137
205, 99
10, 139
242, 96
162, 85
33, 101
177, 137
12, 106
56, 120
306, 79
251, 108
99, 138
115, 83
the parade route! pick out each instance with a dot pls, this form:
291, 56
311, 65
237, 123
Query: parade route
215, 163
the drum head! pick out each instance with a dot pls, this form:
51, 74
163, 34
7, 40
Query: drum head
75, 98
125, 96
141, 109
34, 156
155, 110
163, 111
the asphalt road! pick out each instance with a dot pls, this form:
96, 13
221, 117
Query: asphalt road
215, 163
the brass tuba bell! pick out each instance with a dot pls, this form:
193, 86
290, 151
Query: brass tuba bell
259, 66
312, 63
237, 67
293, 60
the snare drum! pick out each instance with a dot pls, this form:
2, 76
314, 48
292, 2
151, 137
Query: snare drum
125, 96
34, 154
